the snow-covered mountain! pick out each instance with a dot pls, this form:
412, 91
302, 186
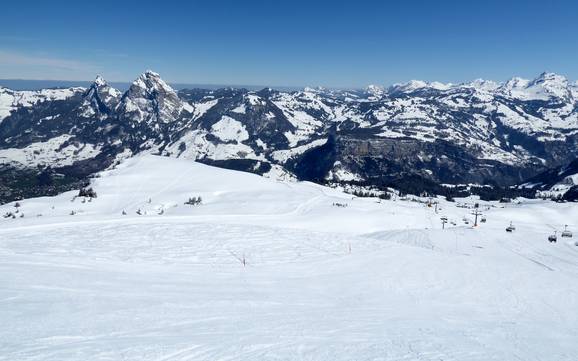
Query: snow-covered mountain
547, 86
12, 100
149, 99
100, 100
418, 132
557, 183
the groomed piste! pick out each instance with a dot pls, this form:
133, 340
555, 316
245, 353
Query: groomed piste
175, 260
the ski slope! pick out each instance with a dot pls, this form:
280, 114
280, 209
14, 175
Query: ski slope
373, 280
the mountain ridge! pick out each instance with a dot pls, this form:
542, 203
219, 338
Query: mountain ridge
477, 132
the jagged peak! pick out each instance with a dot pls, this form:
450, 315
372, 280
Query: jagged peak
516, 82
375, 89
149, 72
547, 77
101, 86
99, 81
153, 81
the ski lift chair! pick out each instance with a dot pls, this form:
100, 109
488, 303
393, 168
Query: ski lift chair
552, 238
566, 232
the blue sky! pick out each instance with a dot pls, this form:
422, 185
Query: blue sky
288, 43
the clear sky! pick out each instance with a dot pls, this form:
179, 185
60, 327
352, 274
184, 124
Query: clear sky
288, 43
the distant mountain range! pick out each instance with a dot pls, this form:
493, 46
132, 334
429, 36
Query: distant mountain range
412, 135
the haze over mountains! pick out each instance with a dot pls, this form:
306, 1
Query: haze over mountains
419, 133
31, 84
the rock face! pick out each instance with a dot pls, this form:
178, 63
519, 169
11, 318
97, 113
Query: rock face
479, 132
150, 100
100, 100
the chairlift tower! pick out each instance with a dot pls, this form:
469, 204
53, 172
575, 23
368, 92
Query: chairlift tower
476, 212
444, 221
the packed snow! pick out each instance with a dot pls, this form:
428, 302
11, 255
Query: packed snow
269, 270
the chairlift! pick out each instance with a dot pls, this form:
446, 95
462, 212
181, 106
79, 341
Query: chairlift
483, 220
552, 238
510, 228
566, 232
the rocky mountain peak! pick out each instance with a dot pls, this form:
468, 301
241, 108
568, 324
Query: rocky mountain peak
99, 81
375, 90
99, 99
150, 99
151, 81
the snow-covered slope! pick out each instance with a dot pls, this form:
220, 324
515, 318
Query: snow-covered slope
267, 270
56, 152
11, 100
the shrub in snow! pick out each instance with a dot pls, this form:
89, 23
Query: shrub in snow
87, 192
342, 205
386, 196
193, 201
